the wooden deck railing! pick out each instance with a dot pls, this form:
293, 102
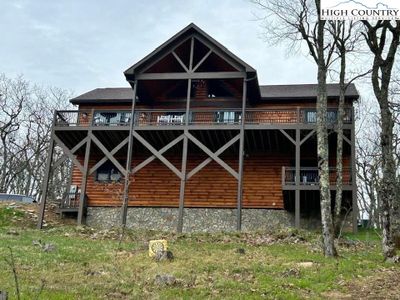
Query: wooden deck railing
310, 176
70, 201
155, 117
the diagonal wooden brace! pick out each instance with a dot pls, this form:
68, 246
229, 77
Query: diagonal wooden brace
213, 156
104, 159
288, 136
157, 154
73, 150
69, 153
153, 157
209, 159
310, 134
108, 154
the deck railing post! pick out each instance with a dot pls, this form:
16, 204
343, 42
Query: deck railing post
128, 167
298, 115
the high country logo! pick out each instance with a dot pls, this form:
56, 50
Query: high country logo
357, 10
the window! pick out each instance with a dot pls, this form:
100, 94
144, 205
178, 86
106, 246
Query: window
228, 117
331, 116
108, 173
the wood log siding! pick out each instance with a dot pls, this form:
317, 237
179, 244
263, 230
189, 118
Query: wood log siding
156, 185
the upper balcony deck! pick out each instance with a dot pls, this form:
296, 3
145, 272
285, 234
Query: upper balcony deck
176, 118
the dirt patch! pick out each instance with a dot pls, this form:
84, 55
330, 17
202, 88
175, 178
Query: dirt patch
384, 284
26, 215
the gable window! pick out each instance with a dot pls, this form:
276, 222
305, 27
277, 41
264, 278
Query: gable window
108, 173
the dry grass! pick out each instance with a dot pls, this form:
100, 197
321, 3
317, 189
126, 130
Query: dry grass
92, 264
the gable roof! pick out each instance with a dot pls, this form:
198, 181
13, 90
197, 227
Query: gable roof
268, 92
181, 35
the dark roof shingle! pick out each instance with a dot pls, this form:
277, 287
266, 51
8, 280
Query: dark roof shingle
307, 91
101, 95
268, 92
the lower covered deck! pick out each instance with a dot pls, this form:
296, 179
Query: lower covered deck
210, 179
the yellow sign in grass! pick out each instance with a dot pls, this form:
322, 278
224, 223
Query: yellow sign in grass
156, 246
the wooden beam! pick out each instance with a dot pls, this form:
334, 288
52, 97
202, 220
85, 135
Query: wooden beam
202, 60
183, 75
217, 153
128, 166
73, 150
183, 185
161, 151
59, 161
107, 153
157, 154
213, 156
185, 148
241, 160
68, 153
219, 53
288, 136
347, 140
297, 180
191, 59
82, 196
164, 54
307, 137
45, 182
354, 178
104, 159
180, 61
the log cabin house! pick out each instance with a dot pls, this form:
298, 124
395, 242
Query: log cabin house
203, 146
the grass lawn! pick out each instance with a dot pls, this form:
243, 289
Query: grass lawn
94, 264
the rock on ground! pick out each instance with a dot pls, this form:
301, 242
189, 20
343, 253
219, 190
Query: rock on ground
165, 279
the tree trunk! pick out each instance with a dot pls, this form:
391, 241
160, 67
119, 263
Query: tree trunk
323, 165
339, 149
387, 189
396, 217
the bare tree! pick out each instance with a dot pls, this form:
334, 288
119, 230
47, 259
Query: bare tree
369, 164
295, 21
346, 37
383, 39
26, 113
12, 96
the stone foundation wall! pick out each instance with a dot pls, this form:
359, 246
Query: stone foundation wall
195, 219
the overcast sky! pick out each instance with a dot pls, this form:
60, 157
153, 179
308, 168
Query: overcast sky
84, 44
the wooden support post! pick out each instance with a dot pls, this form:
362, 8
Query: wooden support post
82, 196
128, 168
185, 150
45, 182
241, 160
183, 186
354, 177
297, 181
